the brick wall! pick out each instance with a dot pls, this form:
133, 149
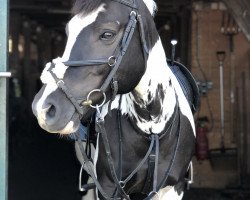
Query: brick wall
207, 39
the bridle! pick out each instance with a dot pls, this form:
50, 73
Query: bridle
113, 61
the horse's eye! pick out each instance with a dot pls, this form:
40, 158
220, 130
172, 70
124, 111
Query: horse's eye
107, 35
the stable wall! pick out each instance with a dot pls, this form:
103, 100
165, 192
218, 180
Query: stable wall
207, 39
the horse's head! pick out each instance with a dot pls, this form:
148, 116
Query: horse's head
101, 48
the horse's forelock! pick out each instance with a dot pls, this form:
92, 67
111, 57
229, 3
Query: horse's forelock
85, 6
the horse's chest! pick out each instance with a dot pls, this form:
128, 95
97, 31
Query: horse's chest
129, 147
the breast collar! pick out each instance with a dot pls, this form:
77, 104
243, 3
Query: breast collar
113, 61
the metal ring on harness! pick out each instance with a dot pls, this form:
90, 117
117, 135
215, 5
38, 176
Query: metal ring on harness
133, 13
80, 180
156, 194
122, 184
96, 106
60, 82
111, 61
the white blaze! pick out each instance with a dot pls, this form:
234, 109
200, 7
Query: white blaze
76, 25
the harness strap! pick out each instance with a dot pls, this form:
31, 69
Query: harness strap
101, 129
143, 39
60, 83
142, 162
156, 163
153, 193
151, 164
129, 31
152, 174
114, 87
91, 172
120, 134
86, 62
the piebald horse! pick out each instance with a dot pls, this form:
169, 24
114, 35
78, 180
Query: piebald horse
114, 73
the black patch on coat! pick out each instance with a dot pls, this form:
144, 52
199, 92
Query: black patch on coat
170, 82
149, 96
142, 112
155, 107
149, 84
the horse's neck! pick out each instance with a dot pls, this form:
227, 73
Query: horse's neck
152, 102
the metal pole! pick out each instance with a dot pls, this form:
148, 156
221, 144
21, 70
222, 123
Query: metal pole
222, 104
3, 118
221, 57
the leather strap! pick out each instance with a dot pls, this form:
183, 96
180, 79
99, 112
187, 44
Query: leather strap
86, 62
89, 166
162, 183
65, 89
141, 163
129, 31
100, 128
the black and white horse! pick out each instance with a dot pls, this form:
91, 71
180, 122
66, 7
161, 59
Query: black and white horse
114, 64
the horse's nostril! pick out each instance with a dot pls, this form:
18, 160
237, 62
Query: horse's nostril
51, 112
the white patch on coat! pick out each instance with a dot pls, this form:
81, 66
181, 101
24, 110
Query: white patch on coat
59, 70
158, 71
168, 193
151, 5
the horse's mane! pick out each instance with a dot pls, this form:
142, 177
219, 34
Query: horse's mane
87, 6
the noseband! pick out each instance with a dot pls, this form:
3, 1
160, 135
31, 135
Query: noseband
113, 61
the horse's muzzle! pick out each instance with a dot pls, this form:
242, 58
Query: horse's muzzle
55, 115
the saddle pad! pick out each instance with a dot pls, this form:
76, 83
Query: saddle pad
187, 83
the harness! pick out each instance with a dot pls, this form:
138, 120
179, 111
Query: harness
152, 156
83, 105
